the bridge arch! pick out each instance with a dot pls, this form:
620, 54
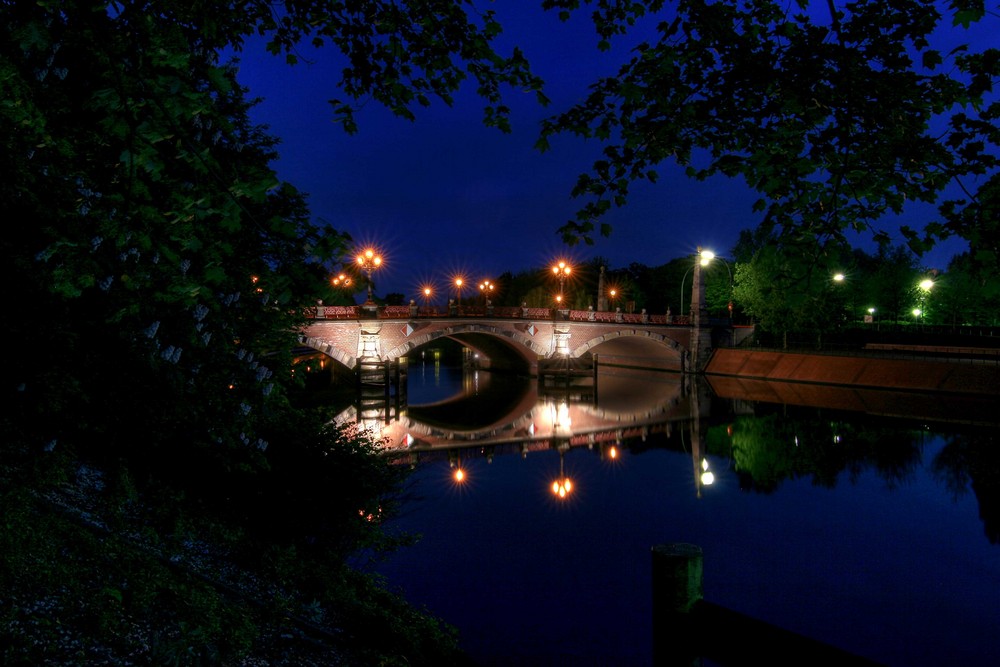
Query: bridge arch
633, 342
347, 360
522, 346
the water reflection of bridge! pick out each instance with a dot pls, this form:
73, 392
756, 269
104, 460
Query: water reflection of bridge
631, 405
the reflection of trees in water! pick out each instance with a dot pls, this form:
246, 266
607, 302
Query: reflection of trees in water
971, 461
771, 448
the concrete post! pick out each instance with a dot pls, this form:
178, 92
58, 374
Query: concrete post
677, 586
701, 332
602, 297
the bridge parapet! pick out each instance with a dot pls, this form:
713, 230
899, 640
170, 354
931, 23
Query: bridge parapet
497, 312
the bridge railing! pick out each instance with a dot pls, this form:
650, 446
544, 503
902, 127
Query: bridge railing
502, 312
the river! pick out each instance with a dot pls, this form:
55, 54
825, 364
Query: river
878, 535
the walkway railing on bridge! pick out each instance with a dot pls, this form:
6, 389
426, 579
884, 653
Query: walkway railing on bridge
502, 312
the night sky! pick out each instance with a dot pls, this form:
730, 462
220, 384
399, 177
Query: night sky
445, 195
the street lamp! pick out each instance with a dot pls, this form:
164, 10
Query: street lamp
369, 261
487, 287
341, 280
427, 296
562, 486
458, 290
613, 294
561, 271
871, 315
925, 286
705, 258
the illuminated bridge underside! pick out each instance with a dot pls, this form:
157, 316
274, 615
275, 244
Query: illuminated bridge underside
508, 343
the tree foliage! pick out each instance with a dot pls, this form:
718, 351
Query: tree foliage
159, 272
837, 114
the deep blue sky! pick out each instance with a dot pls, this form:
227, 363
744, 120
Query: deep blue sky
445, 195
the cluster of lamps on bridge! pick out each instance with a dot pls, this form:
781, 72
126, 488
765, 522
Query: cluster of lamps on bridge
369, 260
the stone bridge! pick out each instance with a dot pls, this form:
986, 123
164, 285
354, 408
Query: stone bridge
518, 339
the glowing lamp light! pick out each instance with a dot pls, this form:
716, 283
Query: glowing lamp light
707, 476
459, 475
369, 257
562, 487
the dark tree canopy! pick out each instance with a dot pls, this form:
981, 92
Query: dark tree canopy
837, 113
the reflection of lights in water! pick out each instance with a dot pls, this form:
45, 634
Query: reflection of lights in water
613, 452
562, 486
369, 516
455, 461
372, 426
559, 416
707, 476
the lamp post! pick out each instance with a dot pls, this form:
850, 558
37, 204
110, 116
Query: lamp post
458, 290
369, 261
427, 291
705, 258
562, 485
613, 294
341, 280
683, 279
870, 318
487, 287
925, 287
561, 271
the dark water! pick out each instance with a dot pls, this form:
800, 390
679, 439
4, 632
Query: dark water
876, 535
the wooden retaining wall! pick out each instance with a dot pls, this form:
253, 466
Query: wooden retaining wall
961, 376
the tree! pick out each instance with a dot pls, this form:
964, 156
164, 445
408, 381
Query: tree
892, 285
837, 118
787, 294
964, 295
162, 272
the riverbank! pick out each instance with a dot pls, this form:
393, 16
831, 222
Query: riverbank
949, 375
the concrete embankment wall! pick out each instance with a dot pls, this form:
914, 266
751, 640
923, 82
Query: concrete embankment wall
938, 375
